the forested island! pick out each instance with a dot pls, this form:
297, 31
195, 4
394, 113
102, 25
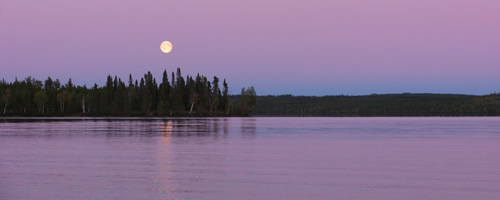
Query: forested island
179, 96
405, 104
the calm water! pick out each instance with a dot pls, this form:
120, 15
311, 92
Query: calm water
250, 158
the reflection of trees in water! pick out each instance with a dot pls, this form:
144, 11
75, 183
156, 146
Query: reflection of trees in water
195, 127
126, 127
225, 126
249, 126
165, 127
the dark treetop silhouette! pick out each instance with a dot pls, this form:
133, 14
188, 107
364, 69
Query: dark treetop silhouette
190, 96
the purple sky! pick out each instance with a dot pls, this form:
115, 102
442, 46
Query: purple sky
315, 47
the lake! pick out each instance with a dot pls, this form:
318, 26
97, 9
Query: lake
250, 158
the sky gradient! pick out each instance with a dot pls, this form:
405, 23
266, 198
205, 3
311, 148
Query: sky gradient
317, 47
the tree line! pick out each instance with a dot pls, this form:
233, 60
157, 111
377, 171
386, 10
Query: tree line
405, 104
174, 96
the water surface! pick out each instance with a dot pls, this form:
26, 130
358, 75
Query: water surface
250, 158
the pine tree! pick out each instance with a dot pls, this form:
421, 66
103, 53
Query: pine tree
215, 95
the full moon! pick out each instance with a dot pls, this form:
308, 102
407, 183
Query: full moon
166, 47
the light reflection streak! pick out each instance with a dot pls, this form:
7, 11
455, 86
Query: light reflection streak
166, 157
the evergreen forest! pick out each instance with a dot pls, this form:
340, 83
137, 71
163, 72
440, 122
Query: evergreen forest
406, 104
171, 96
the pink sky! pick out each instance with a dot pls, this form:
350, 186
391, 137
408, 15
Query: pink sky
279, 46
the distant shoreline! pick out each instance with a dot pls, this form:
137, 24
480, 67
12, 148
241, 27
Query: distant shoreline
67, 118
379, 105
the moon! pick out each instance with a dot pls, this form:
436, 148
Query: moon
166, 47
